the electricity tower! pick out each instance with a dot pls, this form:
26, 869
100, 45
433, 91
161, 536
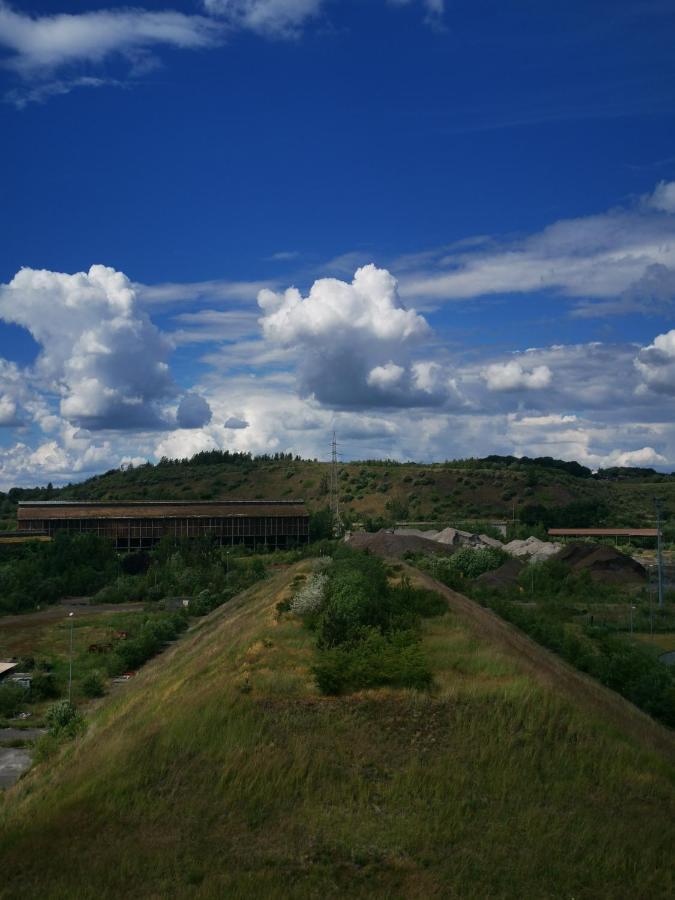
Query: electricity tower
334, 483
659, 556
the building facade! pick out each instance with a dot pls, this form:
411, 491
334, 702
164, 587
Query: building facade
141, 524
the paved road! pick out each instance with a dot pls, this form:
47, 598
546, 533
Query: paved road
13, 761
20, 734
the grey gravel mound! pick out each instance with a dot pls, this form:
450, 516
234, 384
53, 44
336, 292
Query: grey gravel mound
505, 576
534, 548
603, 562
451, 537
417, 532
387, 543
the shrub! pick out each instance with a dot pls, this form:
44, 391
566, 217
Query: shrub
367, 628
11, 699
309, 597
374, 660
64, 719
93, 685
45, 747
44, 686
467, 563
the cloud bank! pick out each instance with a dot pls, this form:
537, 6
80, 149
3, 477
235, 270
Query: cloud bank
616, 262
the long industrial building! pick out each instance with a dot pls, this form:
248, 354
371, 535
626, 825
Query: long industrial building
141, 524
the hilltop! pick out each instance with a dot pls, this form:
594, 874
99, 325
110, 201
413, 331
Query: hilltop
494, 488
221, 771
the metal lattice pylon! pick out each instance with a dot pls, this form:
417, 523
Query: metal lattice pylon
334, 482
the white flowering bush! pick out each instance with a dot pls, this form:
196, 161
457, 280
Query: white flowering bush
310, 596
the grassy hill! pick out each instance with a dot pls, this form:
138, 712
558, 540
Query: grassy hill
220, 771
493, 488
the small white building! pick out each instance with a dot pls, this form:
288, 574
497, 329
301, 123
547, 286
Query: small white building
23, 679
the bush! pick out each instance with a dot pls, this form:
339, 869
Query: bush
93, 685
146, 642
367, 628
374, 660
124, 589
44, 686
12, 697
309, 597
64, 719
467, 563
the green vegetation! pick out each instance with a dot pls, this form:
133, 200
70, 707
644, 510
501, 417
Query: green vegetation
35, 574
220, 771
382, 492
367, 630
631, 669
11, 699
38, 574
197, 568
556, 613
104, 645
465, 564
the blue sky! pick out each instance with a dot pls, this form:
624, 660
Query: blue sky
474, 200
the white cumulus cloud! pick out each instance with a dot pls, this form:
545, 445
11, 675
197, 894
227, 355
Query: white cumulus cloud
385, 376
99, 352
663, 197
645, 456
656, 364
512, 376
353, 341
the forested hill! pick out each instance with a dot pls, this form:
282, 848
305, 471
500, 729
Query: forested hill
542, 490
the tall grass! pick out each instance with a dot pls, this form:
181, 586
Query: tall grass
188, 785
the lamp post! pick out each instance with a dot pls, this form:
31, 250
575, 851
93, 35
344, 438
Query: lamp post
631, 617
70, 662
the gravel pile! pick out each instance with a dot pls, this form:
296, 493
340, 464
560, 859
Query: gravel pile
453, 537
532, 547
603, 562
387, 543
503, 577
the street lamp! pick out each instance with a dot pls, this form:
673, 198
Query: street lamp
631, 617
70, 663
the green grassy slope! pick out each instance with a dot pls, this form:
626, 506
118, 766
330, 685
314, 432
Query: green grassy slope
439, 492
220, 772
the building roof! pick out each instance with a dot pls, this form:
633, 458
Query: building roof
7, 667
157, 509
603, 532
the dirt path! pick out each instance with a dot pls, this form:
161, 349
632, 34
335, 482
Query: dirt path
61, 610
550, 669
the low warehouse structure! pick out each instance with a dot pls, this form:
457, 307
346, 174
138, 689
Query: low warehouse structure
141, 524
603, 532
